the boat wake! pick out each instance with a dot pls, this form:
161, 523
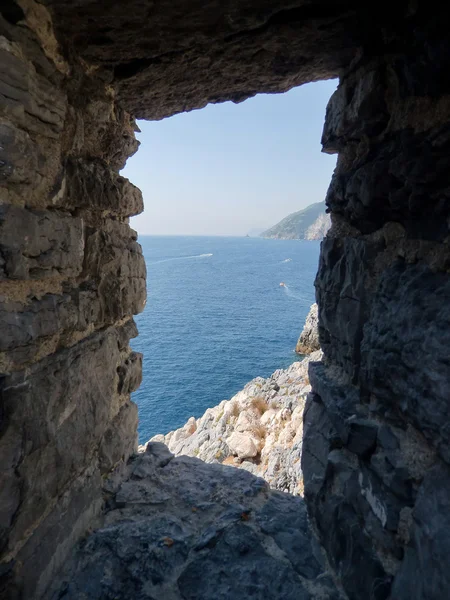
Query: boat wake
157, 262
287, 260
292, 293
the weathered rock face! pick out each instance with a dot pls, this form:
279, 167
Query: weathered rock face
309, 338
172, 57
375, 451
319, 229
310, 223
71, 276
181, 529
260, 429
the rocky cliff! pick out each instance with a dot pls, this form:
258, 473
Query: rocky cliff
309, 338
318, 229
375, 457
375, 453
260, 429
181, 529
311, 223
71, 276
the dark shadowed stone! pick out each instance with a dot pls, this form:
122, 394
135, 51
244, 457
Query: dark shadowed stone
406, 362
422, 574
387, 439
12, 12
362, 437
318, 436
93, 185
39, 244
239, 566
33, 102
392, 186
343, 293
74, 512
377, 494
18, 155
181, 529
356, 109
130, 373
131, 559
340, 398
338, 501
293, 536
24, 324
337, 514
391, 467
54, 416
180, 57
60, 410
117, 443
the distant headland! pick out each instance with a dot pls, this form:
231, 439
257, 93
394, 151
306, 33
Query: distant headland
311, 223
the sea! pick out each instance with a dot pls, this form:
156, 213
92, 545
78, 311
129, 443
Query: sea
216, 317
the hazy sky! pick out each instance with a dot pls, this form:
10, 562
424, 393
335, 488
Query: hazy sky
230, 168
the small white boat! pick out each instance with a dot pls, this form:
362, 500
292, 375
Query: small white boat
282, 284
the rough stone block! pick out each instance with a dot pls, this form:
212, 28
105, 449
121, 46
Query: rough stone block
94, 186
51, 545
401, 179
356, 109
22, 325
125, 333
340, 398
54, 416
316, 448
338, 506
114, 261
118, 444
405, 350
39, 244
130, 373
309, 338
424, 572
113, 289
19, 156
35, 103
181, 528
362, 437
36, 328
343, 285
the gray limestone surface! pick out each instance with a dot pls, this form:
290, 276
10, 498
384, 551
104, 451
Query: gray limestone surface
309, 338
375, 453
181, 529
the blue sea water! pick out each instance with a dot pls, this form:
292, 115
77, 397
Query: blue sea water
216, 317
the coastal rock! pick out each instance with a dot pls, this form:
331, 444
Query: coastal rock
318, 229
310, 223
259, 429
73, 77
181, 529
309, 338
376, 444
243, 446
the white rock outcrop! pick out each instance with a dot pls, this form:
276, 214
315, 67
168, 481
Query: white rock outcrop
309, 338
259, 429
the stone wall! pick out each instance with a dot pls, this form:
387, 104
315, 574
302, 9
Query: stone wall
71, 276
376, 457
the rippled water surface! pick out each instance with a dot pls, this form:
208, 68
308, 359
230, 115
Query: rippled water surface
216, 317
